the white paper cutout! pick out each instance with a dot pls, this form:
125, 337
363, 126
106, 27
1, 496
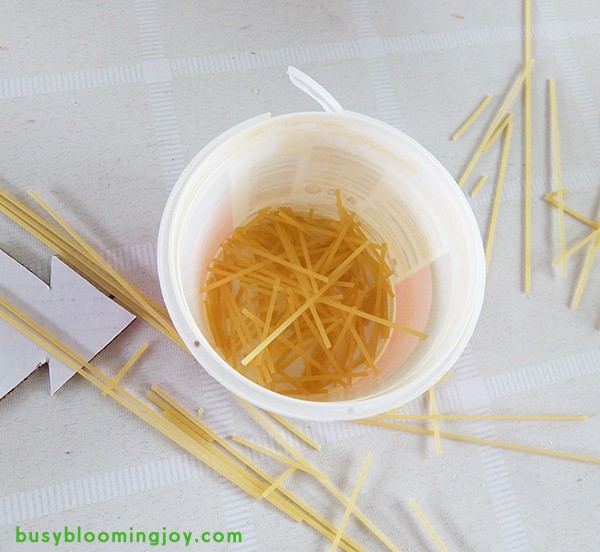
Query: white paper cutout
70, 308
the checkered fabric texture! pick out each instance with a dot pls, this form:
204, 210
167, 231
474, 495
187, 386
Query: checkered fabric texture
102, 105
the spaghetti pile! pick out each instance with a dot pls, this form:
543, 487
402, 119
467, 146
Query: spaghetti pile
301, 304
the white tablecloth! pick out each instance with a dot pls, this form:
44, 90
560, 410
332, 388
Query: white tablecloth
102, 105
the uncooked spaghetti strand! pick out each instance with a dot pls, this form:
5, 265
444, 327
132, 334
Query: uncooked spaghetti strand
479, 185
372, 318
309, 515
22, 322
50, 343
359, 515
295, 430
591, 236
472, 118
279, 481
204, 428
499, 185
497, 132
472, 418
351, 502
527, 146
428, 525
274, 258
583, 276
436, 423
480, 441
280, 457
60, 243
501, 112
235, 275
446, 376
77, 363
269, 428
550, 198
72, 360
239, 468
134, 358
557, 168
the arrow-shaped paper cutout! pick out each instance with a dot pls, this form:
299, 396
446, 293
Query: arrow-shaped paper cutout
70, 308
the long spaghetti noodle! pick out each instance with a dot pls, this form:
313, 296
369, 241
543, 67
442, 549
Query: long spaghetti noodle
177, 426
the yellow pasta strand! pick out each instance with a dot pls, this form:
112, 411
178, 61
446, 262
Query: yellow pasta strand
148, 306
591, 236
436, 425
368, 316
557, 168
480, 441
351, 502
497, 133
283, 459
214, 437
235, 275
471, 418
295, 430
428, 525
271, 430
461, 130
359, 515
245, 482
550, 198
288, 264
166, 402
61, 352
496, 205
527, 30
527, 145
278, 482
127, 366
589, 259
501, 113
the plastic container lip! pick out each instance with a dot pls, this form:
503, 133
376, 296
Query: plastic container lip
252, 392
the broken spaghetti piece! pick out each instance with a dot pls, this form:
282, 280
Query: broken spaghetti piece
301, 304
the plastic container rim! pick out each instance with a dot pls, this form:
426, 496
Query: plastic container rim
254, 393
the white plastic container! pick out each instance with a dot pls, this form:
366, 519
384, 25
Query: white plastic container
403, 196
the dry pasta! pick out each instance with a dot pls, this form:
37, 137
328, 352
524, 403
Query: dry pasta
300, 303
